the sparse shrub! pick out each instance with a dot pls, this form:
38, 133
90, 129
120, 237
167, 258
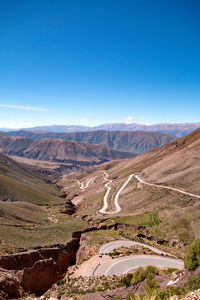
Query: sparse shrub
138, 276
192, 258
127, 280
61, 282
151, 284
115, 253
151, 270
193, 283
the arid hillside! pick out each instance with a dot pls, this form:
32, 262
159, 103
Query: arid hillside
30, 209
175, 165
20, 183
127, 141
64, 151
13, 145
58, 150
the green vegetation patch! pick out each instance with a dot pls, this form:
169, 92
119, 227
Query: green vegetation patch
15, 190
192, 258
145, 273
100, 237
153, 292
150, 220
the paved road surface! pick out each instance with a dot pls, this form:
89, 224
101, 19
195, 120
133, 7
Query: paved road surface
103, 210
82, 187
109, 247
105, 199
165, 187
120, 266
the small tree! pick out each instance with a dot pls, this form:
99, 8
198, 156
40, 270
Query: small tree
192, 258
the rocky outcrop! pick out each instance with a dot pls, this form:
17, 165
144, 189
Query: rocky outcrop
41, 276
9, 286
35, 271
84, 252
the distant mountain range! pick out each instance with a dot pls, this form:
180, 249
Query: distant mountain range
134, 142
175, 129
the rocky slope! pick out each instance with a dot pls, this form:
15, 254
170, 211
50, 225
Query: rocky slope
66, 151
126, 141
35, 271
58, 150
15, 145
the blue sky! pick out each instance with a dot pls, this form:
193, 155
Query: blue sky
93, 62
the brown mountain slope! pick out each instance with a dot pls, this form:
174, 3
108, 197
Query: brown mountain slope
20, 183
170, 163
64, 151
57, 150
14, 145
181, 167
126, 141
176, 164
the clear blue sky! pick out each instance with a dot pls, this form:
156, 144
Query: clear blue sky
99, 61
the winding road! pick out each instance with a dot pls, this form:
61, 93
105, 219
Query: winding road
105, 265
123, 265
103, 210
82, 187
109, 247
166, 187
105, 199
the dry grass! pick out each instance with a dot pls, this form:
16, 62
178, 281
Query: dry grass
25, 225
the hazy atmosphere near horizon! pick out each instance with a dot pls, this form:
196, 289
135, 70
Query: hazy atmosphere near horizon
94, 62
